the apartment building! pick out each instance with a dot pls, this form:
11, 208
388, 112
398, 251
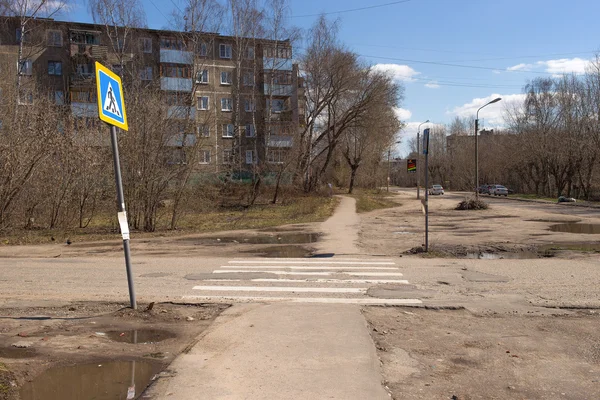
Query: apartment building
237, 102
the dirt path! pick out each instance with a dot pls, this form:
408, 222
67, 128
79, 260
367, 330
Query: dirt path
341, 229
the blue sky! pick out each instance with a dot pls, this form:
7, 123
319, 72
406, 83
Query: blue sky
500, 45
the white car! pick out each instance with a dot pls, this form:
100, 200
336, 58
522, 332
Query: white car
436, 189
498, 190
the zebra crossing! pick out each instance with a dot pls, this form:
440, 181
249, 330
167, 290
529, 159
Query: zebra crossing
302, 280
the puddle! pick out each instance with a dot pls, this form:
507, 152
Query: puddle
283, 238
590, 229
15, 352
521, 255
140, 336
283, 252
99, 381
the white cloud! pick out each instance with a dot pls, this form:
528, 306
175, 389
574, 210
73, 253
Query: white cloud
557, 67
432, 85
494, 113
402, 113
566, 65
520, 67
397, 71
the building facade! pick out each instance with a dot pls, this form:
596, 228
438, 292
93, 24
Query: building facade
235, 102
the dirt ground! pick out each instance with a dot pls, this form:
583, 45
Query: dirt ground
36, 339
454, 354
507, 226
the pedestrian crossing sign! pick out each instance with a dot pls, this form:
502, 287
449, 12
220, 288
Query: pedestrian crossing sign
111, 105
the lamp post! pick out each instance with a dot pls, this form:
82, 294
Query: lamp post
477, 145
419, 160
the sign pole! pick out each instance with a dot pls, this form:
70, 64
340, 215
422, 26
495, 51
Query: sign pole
426, 152
122, 214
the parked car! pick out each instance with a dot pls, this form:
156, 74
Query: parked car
498, 190
484, 189
436, 189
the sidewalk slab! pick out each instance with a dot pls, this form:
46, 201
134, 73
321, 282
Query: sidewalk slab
280, 351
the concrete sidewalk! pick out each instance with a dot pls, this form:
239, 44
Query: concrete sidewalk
341, 229
279, 351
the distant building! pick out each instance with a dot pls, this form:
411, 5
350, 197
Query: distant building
245, 102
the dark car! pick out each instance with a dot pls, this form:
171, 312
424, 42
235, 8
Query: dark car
484, 189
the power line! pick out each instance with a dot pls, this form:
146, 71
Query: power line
352, 9
159, 10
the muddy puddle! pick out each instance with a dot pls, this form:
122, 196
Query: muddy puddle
280, 238
522, 255
139, 336
99, 381
590, 229
283, 252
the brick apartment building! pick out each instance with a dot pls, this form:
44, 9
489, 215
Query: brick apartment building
237, 101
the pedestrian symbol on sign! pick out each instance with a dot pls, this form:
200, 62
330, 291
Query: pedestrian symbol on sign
110, 104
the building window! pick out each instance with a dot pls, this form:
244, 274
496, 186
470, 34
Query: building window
204, 130
202, 103
280, 77
226, 104
202, 49
228, 130
146, 74
276, 105
59, 97
81, 37
175, 71
55, 68
278, 52
26, 67
54, 38
225, 50
117, 69
227, 156
275, 156
202, 76
250, 157
225, 78
250, 53
146, 45
84, 70
248, 79
171, 44
250, 130
204, 156
249, 105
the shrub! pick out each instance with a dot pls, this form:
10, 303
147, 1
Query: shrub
472, 204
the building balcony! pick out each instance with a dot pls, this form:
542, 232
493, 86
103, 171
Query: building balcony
176, 84
93, 51
280, 141
181, 112
278, 90
84, 110
278, 64
176, 57
83, 79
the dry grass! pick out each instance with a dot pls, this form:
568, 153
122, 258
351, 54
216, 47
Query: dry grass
373, 199
299, 209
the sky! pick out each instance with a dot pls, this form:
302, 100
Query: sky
451, 56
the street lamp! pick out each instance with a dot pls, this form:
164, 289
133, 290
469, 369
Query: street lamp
389, 165
419, 160
477, 145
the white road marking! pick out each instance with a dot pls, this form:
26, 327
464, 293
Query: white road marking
296, 267
279, 289
238, 271
399, 281
314, 259
371, 301
372, 273
311, 262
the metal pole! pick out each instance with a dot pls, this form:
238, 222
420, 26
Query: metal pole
426, 201
477, 157
388, 178
418, 166
121, 201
